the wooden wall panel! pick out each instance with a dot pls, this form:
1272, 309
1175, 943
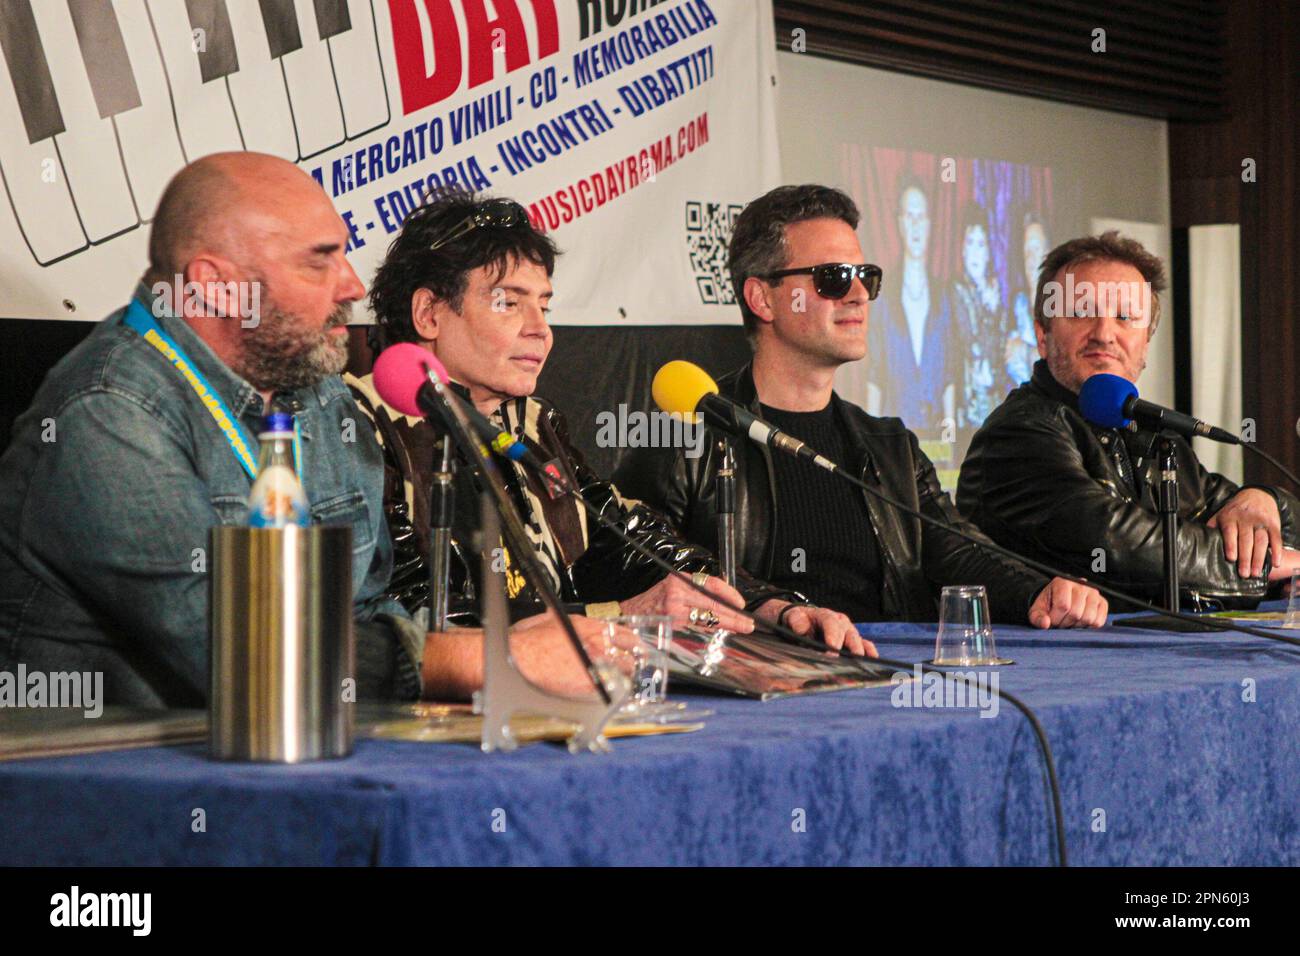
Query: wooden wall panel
1261, 123
1163, 59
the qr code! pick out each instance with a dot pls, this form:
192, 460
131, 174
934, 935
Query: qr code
708, 232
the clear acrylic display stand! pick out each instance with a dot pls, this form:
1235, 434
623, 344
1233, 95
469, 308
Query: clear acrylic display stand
507, 692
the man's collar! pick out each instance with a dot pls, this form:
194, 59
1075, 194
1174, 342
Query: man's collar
239, 394
463, 391
740, 385
1046, 381
746, 392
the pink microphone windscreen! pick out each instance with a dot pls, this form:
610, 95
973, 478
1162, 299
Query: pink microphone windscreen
400, 372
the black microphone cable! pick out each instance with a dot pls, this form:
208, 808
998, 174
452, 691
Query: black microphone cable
806, 451
1250, 446
835, 468
1040, 734
1123, 598
1058, 815
1213, 623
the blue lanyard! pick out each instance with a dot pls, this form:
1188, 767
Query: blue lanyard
138, 318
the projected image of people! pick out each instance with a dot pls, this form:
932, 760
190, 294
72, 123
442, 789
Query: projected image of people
1022, 345
977, 308
917, 353
952, 331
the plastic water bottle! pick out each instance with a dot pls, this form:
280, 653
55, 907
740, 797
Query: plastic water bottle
277, 499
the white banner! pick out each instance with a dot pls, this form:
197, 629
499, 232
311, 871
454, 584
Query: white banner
633, 131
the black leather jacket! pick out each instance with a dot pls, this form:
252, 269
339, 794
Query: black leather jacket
589, 565
1039, 478
917, 558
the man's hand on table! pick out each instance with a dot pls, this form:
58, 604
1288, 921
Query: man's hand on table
1250, 524
676, 598
1283, 564
1068, 604
545, 655
834, 629
453, 661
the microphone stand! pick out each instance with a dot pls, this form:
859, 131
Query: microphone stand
725, 486
516, 539
1167, 506
442, 498
987, 545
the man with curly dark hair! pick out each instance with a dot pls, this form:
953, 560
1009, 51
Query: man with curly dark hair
468, 279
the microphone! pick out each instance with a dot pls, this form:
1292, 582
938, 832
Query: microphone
1112, 402
412, 380
405, 375
401, 375
683, 388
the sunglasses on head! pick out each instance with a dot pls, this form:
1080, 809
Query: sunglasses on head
833, 280
499, 213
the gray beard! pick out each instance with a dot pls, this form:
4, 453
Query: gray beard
278, 357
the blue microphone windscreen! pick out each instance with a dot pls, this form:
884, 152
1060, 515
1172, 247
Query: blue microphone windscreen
1102, 398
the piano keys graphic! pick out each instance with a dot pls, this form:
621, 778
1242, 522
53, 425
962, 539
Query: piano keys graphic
101, 101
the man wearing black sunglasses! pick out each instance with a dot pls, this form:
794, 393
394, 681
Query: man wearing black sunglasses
804, 290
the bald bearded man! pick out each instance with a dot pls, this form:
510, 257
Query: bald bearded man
119, 469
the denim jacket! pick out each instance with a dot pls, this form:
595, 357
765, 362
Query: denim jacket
115, 476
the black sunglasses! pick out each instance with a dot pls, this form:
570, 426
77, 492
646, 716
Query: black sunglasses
833, 280
500, 213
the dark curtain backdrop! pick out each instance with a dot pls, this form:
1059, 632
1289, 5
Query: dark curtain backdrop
590, 369
595, 369
28, 349
1207, 185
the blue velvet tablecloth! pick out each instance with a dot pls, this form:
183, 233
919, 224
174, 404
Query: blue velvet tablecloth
1172, 749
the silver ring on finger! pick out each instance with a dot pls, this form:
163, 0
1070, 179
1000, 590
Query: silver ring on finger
700, 578
708, 618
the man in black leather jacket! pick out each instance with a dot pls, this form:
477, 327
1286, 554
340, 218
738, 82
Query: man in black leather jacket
796, 523
1040, 478
469, 279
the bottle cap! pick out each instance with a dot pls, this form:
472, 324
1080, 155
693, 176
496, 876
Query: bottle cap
277, 422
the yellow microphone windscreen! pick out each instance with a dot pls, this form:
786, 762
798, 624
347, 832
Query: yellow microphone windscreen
679, 386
